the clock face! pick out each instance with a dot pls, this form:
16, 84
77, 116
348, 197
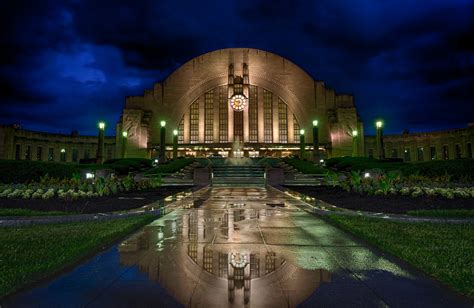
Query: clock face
238, 102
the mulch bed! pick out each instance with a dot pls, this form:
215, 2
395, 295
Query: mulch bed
395, 204
118, 202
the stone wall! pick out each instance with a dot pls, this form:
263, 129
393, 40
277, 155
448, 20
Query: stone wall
17, 143
448, 144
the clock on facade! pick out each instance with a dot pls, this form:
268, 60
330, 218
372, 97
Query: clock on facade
238, 102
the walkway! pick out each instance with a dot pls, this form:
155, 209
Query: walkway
230, 246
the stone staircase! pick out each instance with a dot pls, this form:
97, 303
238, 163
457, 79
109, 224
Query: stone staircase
235, 175
181, 177
294, 177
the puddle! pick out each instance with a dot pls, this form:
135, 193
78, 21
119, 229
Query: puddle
211, 255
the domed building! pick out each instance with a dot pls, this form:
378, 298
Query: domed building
239, 95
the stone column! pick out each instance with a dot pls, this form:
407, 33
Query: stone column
275, 120
260, 115
291, 128
202, 118
186, 127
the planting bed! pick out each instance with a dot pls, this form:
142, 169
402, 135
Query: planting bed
118, 202
395, 204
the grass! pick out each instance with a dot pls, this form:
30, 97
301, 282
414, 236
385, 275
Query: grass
305, 166
455, 213
170, 167
444, 251
30, 253
26, 212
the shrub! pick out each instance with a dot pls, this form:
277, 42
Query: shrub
170, 167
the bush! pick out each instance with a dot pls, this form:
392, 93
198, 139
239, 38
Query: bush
305, 166
461, 169
22, 171
170, 167
126, 165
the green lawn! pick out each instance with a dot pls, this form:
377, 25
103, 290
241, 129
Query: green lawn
461, 213
30, 253
26, 212
444, 251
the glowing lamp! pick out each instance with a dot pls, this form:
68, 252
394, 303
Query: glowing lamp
124, 134
63, 150
101, 125
301, 131
163, 123
366, 175
379, 124
354, 133
175, 132
315, 123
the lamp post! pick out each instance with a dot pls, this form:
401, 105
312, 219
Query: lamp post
302, 144
124, 143
355, 143
175, 144
379, 139
315, 141
162, 142
100, 146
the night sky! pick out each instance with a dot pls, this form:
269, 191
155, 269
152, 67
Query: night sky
65, 65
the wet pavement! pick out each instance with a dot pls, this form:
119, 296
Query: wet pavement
234, 247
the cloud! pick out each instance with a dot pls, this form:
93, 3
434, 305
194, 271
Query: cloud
66, 64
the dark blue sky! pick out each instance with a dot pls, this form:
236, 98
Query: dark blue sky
66, 64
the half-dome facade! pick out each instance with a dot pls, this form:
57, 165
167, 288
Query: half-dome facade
251, 97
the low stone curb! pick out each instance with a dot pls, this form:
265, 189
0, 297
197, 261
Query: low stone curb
149, 209
17, 221
334, 210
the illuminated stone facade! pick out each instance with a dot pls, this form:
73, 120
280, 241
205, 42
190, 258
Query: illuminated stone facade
251, 96
442, 145
20, 144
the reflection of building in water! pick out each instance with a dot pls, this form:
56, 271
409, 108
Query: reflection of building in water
196, 262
